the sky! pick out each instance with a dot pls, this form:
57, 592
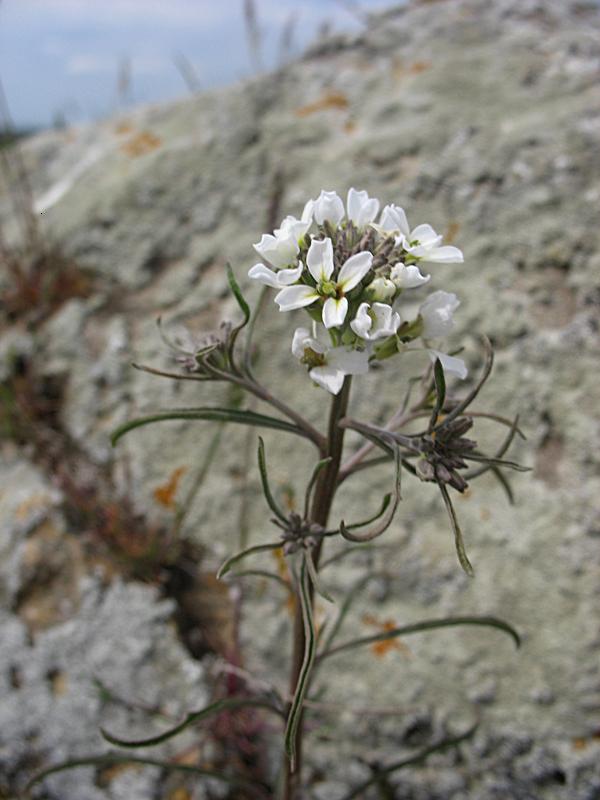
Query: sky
71, 61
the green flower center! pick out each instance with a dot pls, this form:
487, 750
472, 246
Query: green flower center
312, 359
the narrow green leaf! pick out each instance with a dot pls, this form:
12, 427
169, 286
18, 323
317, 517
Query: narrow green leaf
410, 761
351, 596
466, 402
386, 518
313, 479
496, 462
315, 580
262, 573
440, 392
384, 504
474, 473
237, 292
257, 548
239, 416
426, 625
262, 467
505, 484
111, 759
347, 551
227, 704
295, 715
458, 537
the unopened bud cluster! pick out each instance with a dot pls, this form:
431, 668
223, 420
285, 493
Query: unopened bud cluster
349, 272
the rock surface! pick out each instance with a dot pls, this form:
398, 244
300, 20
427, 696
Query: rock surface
482, 118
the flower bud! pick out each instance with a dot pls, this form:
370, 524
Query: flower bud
380, 290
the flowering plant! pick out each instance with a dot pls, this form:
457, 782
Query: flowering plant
349, 269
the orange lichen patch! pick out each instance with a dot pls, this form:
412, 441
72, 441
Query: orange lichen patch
451, 231
58, 682
467, 494
485, 514
349, 126
401, 70
384, 626
579, 743
108, 774
329, 100
179, 794
191, 758
31, 506
140, 144
123, 128
165, 494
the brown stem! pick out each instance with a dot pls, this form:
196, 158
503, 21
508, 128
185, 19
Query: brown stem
325, 488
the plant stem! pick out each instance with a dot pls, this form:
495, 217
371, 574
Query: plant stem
321, 506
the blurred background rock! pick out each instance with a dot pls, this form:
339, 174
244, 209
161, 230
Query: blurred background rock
481, 118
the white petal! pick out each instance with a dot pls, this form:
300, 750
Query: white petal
295, 297
362, 322
408, 277
264, 275
361, 208
285, 277
387, 321
349, 361
328, 207
334, 311
425, 235
450, 364
393, 218
280, 251
436, 312
319, 259
300, 341
444, 255
328, 377
293, 228
354, 270
307, 213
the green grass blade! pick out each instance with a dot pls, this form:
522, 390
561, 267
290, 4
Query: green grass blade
257, 548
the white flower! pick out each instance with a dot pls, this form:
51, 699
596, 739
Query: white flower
422, 242
380, 289
319, 261
329, 365
450, 364
328, 207
292, 227
277, 280
279, 250
426, 245
409, 277
375, 322
436, 313
362, 209
393, 220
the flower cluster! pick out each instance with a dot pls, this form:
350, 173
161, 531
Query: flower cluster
349, 272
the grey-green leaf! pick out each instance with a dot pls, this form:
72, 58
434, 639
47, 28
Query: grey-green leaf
257, 548
238, 416
295, 715
425, 625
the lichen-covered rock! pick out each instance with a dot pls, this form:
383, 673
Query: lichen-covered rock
484, 119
